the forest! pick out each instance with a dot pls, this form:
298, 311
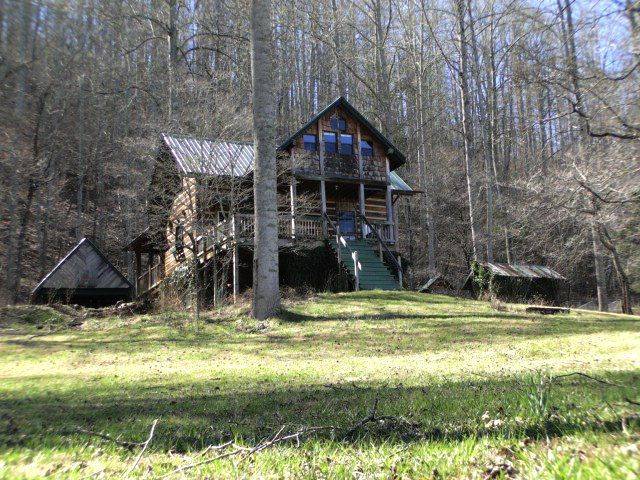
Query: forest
519, 119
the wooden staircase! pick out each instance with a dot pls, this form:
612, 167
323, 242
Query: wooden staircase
373, 274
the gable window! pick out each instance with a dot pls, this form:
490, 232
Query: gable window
346, 144
366, 148
310, 143
338, 123
330, 143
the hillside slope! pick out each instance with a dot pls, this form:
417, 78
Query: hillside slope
403, 385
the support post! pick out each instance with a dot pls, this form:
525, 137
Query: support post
323, 190
323, 196
339, 243
216, 293
293, 194
400, 270
390, 219
356, 269
236, 273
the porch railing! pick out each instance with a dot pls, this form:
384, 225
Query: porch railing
241, 225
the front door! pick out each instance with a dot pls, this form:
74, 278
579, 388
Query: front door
347, 222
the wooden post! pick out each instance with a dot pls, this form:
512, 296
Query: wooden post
293, 193
339, 243
323, 196
395, 222
400, 270
354, 255
236, 272
388, 200
215, 277
323, 190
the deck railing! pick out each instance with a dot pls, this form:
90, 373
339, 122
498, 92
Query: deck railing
307, 227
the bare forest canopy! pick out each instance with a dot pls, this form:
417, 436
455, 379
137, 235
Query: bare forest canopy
519, 119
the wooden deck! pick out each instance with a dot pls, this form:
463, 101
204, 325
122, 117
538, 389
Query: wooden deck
239, 229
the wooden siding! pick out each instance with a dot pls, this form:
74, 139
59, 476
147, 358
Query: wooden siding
375, 207
336, 165
183, 210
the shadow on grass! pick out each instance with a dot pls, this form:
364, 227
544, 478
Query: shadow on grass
194, 415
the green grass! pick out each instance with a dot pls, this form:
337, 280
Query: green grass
467, 386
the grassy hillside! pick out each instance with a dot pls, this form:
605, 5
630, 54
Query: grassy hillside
460, 391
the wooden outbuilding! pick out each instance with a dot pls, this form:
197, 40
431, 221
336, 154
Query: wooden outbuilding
84, 277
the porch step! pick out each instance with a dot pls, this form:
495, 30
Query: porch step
374, 274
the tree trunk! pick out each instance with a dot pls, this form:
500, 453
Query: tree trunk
598, 260
623, 280
266, 293
467, 127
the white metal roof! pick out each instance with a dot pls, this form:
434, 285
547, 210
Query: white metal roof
210, 157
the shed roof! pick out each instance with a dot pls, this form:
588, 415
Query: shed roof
522, 270
84, 267
210, 157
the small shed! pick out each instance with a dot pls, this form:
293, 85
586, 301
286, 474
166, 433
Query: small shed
514, 282
85, 277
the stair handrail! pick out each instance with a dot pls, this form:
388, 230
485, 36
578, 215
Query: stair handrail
340, 240
383, 245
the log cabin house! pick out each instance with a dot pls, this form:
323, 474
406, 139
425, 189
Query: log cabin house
336, 203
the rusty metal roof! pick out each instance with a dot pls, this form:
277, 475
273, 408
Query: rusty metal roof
522, 270
210, 157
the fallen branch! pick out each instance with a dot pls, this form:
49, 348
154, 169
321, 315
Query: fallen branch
632, 402
275, 439
370, 418
599, 380
145, 445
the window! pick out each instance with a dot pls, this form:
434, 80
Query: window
338, 123
346, 144
310, 143
330, 142
366, 148
179, 233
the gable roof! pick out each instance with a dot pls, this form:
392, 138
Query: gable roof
210, 157
396, 158
84, 267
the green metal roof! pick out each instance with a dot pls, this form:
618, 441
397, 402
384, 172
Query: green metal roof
398, 184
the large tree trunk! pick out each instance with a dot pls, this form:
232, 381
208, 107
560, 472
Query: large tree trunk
266, 292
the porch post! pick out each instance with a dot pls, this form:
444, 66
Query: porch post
390, 219
323, 189
361, 175
236, 272
292, 190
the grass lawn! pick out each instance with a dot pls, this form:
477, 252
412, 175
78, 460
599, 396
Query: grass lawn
463, 391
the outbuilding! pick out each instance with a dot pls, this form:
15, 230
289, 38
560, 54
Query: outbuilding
84, 277
514, 282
